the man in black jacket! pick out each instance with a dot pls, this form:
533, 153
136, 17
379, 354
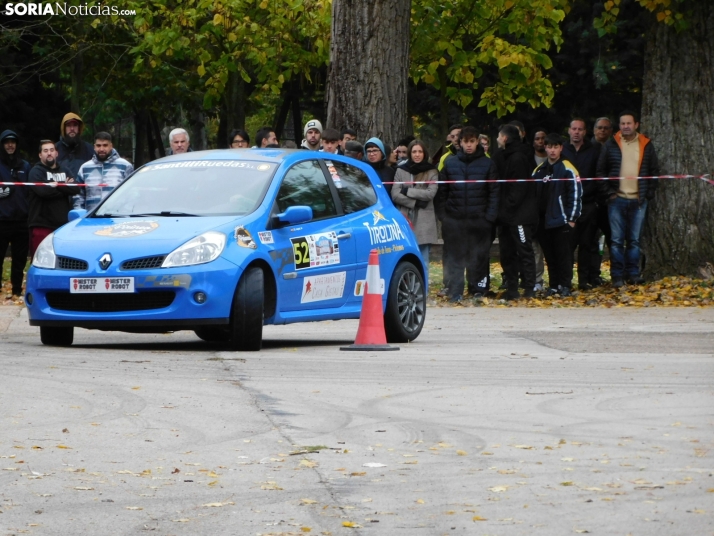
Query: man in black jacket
13, 210
517, 212
470, 210
583, 154
626, 157
49, 205
559, 207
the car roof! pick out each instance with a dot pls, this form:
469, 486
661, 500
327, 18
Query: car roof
274, 156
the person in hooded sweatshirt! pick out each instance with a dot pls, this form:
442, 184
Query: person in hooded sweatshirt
49, 205
106, 168
72, 150
517, 212
376, 156
13, 210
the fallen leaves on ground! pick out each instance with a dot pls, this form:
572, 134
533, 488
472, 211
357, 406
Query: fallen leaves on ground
675, 291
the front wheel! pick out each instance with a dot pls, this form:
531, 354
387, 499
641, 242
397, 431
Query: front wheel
56, 336
213, 334
406, 304
246, 327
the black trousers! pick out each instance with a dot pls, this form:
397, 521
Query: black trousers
516, 249
558, 255
16, 235
585, 238
468, 242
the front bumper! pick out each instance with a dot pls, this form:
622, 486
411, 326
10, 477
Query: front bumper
49, 300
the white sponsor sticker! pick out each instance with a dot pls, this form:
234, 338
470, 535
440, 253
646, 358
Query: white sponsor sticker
266, 237
359, 287
100, 285
323, 287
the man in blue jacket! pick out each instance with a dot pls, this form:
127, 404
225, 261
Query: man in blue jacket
13, 210
559, 206
106, 168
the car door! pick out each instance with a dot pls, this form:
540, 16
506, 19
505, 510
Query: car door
322, 273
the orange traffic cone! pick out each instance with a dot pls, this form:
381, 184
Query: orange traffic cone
370, 334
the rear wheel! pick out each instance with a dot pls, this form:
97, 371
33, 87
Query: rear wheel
213, 333
406, 304
246, 327
56, 336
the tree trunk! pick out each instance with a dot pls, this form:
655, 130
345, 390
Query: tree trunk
678, 114
369, 67
234, 99
140, 135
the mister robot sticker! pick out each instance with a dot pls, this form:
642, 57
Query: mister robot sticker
316, 250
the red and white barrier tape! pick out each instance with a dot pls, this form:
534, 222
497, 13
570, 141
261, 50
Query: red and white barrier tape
706, 178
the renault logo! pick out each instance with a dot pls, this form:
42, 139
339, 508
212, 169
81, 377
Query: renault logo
105, 261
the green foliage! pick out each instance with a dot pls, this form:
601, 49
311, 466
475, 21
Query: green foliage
670, 12
496, 46
265, 43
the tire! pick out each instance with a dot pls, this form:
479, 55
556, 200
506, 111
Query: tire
246, 327
56, 336
406, 304
213, 334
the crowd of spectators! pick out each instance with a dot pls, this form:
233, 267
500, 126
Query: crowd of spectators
544, 199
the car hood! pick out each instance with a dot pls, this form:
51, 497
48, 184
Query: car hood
132, 237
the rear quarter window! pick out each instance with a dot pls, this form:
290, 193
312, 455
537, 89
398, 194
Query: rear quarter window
353, 186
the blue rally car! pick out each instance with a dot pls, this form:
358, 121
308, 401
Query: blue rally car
224, 242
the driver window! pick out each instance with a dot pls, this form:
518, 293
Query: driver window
305, 184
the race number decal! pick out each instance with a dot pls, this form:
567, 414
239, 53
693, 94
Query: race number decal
316, 250
302, 252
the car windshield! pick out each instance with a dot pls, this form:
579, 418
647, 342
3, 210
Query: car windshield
190, 188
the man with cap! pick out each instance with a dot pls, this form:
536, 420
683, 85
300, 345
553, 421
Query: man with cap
72, 150
13, 211
312, 132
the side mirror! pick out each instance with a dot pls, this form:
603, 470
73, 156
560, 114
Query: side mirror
76, 213
296, 214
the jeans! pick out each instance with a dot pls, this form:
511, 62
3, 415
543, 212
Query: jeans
627, 217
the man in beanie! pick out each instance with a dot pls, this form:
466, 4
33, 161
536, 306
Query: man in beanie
72, 150
13, 210
312, 132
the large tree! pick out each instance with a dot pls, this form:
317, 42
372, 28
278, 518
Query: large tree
678, 113
369, 67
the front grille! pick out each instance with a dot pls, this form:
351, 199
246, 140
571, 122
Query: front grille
143, 264
110, 303
68, 263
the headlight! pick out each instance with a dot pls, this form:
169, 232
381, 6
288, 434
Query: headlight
199, 250
45, 255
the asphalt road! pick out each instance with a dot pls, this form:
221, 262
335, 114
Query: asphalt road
495, 421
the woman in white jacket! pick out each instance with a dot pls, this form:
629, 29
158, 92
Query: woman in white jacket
415, 198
